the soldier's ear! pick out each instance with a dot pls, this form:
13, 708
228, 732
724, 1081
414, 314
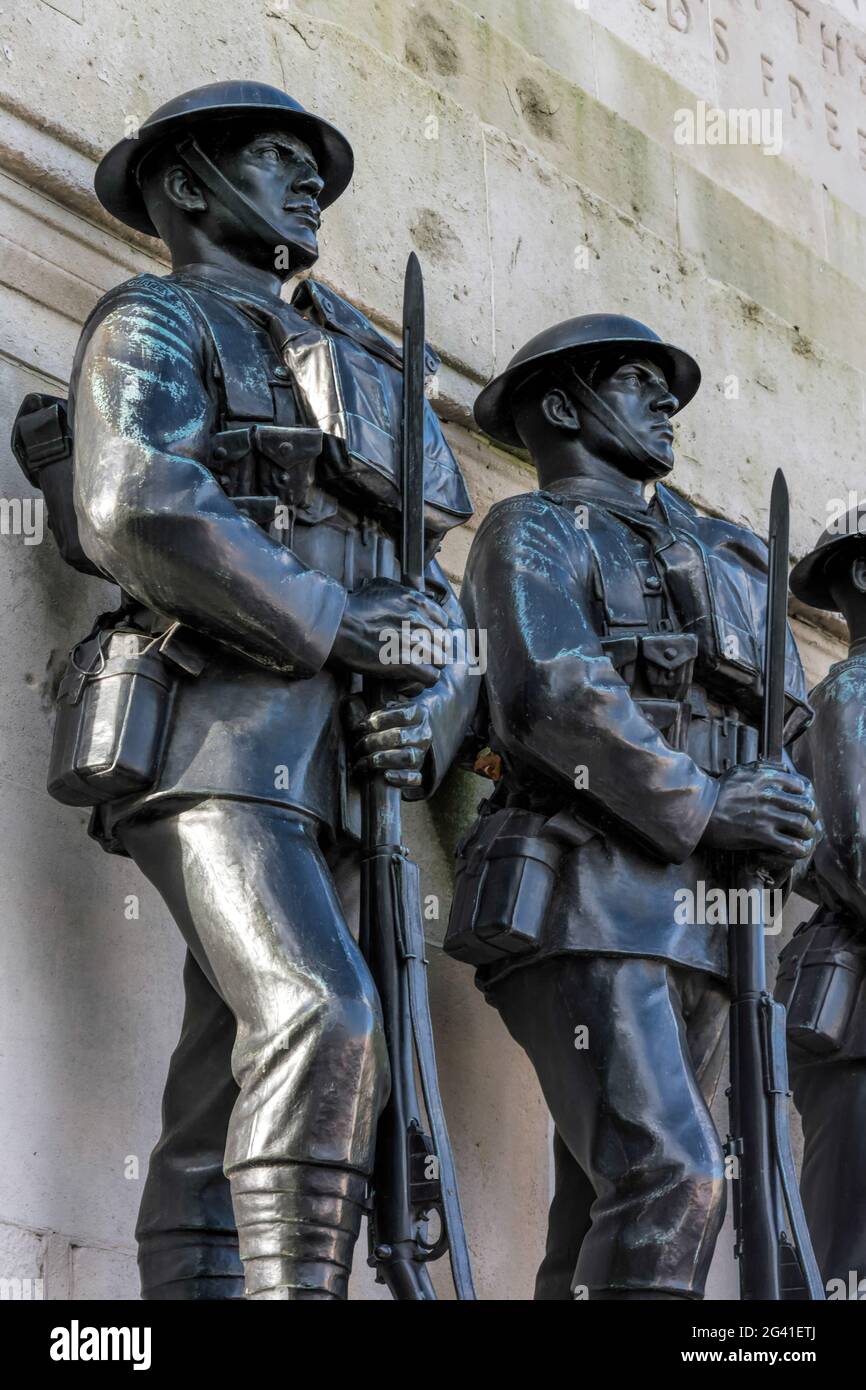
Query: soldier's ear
560, 411
858, 573
181, 189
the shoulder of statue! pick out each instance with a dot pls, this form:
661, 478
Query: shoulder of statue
676, 504
141, 297
147, 289
586, 517
145, 304
846, 680
322, 305
538, 520
533, 503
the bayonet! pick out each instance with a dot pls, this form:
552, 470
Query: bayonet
776, 635
412, 469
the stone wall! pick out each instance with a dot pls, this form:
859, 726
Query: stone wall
527, 150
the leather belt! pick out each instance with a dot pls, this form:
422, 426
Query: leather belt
715, 741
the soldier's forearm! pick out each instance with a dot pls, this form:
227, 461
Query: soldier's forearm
170, 537
588, 733
451, 702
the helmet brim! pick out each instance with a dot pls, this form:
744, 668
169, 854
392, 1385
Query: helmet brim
118, 190
493, 408
808, 579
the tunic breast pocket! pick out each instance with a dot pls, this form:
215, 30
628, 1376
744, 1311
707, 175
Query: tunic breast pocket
286, 461
266, 461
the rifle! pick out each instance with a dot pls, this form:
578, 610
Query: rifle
773, 1247
414, 1176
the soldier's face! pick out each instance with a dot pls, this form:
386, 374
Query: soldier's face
639, 395
277, 172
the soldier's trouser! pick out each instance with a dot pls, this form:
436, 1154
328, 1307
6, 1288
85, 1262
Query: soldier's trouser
831, 1099
640, 1188
280, 1072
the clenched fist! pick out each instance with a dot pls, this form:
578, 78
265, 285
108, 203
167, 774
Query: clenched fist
393, 741
768, 810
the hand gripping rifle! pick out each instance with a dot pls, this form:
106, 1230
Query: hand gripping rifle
414, 1177
776, 1261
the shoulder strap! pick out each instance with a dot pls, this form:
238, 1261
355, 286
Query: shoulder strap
328, 309
673, 503
243, 376
618, 581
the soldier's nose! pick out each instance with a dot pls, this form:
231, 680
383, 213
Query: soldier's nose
308, 181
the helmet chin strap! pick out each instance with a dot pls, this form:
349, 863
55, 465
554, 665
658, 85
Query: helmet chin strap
225, 192
609, 420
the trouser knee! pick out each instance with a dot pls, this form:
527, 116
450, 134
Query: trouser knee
313, 1076
344, 1034
656, 1229
352, 1022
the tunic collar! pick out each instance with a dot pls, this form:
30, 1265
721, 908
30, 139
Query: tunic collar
601, 491
244, 292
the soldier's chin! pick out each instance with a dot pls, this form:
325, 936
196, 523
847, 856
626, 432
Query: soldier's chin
646, 464
660, 461
298, 251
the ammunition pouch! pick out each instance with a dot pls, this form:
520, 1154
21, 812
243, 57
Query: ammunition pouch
266, 461
325, 536
717, 593
715, 741
507, 867
663, 664
821, 973
668, 660
271, 474
113, 711
659, 662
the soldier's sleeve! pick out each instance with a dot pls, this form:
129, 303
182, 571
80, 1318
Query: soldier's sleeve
152, 516
451, 701
556, 701
832, 754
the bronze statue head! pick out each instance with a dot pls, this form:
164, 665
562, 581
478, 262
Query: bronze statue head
617, 410
235, 170
274, 172
833, 575
596, 390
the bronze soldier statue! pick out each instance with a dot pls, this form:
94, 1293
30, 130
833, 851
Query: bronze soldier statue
622, 698
236, 474
822, 974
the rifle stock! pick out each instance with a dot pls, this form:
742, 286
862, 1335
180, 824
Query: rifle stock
397, 1228
773, 1249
